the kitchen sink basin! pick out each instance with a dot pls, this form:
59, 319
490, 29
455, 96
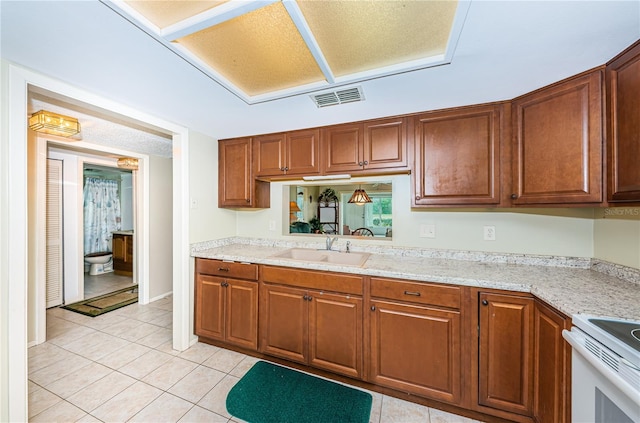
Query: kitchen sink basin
323, 256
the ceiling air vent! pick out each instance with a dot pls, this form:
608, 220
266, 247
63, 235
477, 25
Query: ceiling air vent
332, 98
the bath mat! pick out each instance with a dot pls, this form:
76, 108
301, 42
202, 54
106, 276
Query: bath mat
105, 303
275, 394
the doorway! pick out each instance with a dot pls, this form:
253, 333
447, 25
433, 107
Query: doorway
79, 281
25, 302
108, 229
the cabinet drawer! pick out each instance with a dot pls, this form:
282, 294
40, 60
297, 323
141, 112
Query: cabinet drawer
227, 269
422, 293
323, 281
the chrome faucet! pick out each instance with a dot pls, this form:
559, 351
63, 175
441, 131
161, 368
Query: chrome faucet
348, 246
330, 241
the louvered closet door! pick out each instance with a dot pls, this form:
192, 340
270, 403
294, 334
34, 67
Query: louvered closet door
54, 233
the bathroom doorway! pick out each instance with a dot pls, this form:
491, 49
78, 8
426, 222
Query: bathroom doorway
108, 222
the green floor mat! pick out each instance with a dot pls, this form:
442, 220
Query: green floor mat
275, 394
105, 303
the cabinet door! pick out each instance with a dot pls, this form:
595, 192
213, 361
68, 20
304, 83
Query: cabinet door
416, 349
241, 316
558, 143
335, 333
236, 184
284, 322
303, 152
623, 126
269, 155
128, 256
209, 307
342, 147
506, 352
552, 363
385, 144
457, 157
118, 245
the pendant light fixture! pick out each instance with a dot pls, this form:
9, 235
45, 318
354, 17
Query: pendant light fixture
54, 124
359, 197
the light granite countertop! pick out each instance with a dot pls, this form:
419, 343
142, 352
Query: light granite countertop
572, 285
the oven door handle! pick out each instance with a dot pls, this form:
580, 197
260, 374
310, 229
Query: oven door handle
629, 364
576, 341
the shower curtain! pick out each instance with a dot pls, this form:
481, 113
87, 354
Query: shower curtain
101, 214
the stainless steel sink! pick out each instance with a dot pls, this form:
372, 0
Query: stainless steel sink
323, 256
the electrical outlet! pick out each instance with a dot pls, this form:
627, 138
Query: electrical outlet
427, 231
272, 225
194, 203
489, 233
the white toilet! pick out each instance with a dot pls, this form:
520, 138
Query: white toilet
99, 263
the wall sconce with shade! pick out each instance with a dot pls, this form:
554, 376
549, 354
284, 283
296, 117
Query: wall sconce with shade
128, 163
54, 124
359, 197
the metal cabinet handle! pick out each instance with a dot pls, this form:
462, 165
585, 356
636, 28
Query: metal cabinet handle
224, 284
514, 196
418, 197
360, 163
223, 269
415, 294
485, 302
286, 168
366, 162
373, 308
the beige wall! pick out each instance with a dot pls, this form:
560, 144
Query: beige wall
617, 236
206, 220
160, 227
562, 232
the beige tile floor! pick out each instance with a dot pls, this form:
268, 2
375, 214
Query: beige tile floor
120, 367
95, 285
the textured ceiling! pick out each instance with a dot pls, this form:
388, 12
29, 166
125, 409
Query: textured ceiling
265, 50
105, 130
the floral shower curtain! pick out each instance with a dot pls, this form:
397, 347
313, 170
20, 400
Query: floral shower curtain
101, 214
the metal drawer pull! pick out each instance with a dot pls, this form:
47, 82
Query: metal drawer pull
415, 294
223, 269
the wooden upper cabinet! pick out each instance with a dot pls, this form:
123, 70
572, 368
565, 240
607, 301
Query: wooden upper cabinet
623, 126
291, 153
557, 152
457, 157
269, 155
237, 186
368, 146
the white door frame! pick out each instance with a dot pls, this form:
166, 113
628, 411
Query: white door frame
13, 223
141, 219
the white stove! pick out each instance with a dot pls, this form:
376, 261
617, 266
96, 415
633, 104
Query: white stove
605, 369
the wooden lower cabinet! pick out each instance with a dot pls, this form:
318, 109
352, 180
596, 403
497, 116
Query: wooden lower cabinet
552, 366
226, 309
122, 246
312, 327
495, 352
506, 352
416, 349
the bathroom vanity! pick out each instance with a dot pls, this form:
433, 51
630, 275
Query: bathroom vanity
122, 246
